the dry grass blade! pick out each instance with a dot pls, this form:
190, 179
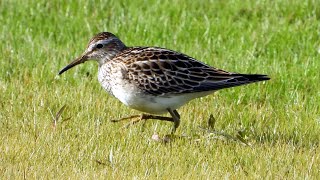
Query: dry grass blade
58, 115
66, 119
239, 136
227, 136
60, 112
101, 163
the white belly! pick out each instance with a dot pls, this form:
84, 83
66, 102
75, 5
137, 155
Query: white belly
153, 104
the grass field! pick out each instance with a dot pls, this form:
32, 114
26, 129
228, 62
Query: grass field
278, 119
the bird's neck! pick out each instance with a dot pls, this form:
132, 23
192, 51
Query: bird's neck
113, 49
107, 57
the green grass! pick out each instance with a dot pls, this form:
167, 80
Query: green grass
279, 118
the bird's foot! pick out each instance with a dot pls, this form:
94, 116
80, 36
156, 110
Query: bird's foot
142, 117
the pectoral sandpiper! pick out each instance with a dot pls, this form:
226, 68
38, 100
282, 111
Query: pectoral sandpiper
155, 80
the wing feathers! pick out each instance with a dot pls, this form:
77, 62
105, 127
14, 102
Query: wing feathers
160, 71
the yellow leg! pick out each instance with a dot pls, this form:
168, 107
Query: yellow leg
138, 118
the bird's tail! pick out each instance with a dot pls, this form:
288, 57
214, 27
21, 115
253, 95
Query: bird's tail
232, 80
252, 77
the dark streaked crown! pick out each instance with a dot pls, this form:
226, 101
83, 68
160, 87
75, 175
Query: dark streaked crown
101, 36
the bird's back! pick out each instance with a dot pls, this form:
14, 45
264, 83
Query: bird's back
159, 72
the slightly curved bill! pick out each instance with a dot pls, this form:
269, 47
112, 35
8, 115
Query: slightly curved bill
77, 61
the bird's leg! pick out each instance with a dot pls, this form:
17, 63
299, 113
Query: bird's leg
176, 119
126, 118
177, 114
143, 117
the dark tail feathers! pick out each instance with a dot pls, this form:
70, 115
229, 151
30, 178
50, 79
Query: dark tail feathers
252, 77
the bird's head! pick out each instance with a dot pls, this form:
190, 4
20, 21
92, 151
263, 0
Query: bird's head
102, 47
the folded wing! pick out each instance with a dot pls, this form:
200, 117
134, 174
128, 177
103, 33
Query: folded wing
159, 71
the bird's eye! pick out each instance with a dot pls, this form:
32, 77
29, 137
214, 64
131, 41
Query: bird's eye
99, 46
